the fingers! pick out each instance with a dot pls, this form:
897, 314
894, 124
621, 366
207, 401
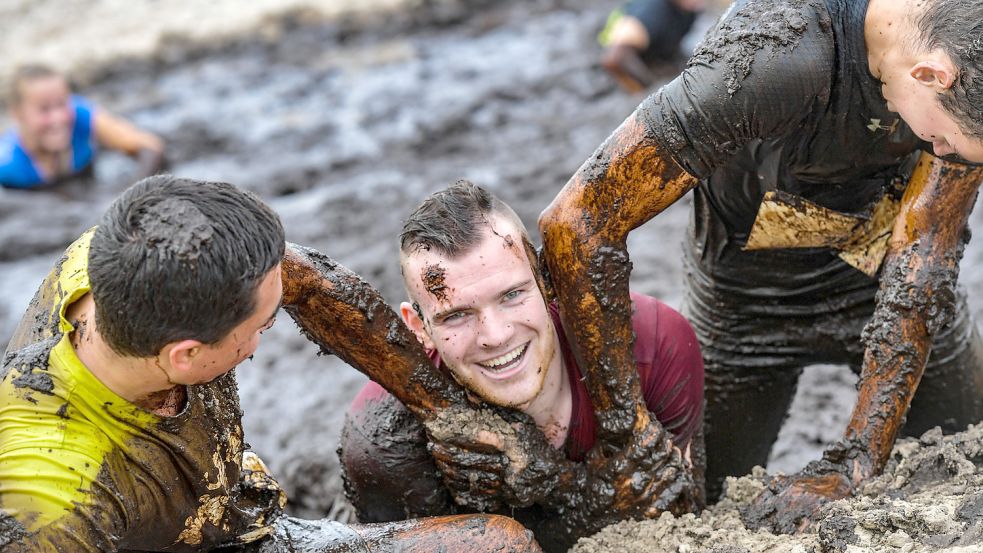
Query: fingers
454, 456
473, 478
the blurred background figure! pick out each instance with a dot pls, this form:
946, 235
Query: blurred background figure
642, 33
57, 134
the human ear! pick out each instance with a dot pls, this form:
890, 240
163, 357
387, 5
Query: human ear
415, 323
183, 355
934, 74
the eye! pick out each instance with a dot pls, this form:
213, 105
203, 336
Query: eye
513, 294
452, 318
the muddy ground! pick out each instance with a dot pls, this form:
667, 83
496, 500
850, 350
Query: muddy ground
344, 125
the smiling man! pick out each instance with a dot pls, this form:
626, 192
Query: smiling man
476, 304
824, 228
58, 134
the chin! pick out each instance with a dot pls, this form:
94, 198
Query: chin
55, 146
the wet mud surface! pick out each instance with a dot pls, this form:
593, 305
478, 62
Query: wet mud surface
928, 499
344, 127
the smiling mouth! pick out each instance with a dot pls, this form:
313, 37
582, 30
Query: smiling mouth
507, 361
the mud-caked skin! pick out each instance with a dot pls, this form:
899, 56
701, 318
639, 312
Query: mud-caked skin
779, 96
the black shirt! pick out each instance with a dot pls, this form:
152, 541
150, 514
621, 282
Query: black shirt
779, 96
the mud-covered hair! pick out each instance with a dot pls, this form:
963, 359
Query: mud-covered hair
956, 27
25, 73
452, 221
175, 259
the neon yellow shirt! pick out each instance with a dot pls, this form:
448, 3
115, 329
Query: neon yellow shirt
82, 469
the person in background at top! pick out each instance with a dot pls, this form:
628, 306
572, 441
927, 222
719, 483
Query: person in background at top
57, 134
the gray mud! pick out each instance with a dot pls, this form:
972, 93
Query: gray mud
930, 498
344, 126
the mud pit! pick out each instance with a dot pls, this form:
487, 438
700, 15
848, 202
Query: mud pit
930, 498
344, 126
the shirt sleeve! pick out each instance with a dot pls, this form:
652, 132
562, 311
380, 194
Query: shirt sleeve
670, 367
758, 74
389, 474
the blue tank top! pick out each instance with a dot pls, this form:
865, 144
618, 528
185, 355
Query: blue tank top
18, 170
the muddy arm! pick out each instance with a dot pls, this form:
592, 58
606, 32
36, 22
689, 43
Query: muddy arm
452, 534
624, 184
916, 299
918, 280
345, 316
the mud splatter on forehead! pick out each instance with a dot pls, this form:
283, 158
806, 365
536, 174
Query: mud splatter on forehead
434, 277
754, 27
177, 229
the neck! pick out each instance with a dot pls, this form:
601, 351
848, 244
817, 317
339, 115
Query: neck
551, 408
139, 380
887, 25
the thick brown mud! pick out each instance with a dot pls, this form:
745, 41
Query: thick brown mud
928, 499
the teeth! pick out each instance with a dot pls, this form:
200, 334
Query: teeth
505, 359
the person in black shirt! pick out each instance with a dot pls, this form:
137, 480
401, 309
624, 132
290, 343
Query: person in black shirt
825, 142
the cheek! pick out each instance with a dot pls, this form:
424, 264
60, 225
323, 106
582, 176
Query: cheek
252, 345
244, 349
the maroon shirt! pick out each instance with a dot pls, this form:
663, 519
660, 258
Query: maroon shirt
669, 364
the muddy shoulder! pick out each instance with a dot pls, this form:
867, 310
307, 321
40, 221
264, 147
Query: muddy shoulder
930, 498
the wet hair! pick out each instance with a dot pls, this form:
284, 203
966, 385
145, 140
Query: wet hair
25, 73
956, 27
452, 221
175, 259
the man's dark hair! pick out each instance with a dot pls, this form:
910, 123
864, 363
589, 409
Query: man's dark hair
175, 259
451, 221
956, 27
23, 74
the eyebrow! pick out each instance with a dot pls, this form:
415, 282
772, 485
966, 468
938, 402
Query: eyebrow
454, 309
273, 315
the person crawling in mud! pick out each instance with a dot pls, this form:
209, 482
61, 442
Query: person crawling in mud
120, 426
58, 134
476, 304
825, 143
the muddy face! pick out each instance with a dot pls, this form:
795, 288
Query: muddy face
489, 323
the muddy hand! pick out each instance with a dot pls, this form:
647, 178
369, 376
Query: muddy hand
501, 460
642, 479
648, 475
790, 504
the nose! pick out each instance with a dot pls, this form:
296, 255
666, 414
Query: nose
494, 329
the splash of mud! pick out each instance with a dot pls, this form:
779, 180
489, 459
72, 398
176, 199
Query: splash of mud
755, 27
433, 277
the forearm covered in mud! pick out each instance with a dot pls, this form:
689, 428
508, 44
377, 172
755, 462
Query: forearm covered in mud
347, 317
916, 299
448, 533
625, 183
